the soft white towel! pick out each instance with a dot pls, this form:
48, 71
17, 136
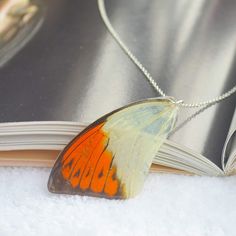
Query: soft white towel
168, 205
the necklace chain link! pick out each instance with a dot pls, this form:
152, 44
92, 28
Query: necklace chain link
103, 13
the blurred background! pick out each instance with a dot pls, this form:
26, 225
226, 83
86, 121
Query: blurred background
58, 61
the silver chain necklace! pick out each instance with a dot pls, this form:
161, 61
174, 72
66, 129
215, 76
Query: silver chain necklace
148, 76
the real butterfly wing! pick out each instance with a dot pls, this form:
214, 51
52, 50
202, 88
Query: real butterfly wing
112, 156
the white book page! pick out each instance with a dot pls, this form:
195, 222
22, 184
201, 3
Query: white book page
229, 151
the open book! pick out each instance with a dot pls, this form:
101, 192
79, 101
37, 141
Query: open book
71, 72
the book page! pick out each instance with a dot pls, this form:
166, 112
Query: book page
55, 135
73, 70
46, 158
229, 151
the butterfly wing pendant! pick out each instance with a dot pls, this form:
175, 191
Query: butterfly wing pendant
112, 156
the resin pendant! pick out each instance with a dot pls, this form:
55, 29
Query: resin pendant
112, 156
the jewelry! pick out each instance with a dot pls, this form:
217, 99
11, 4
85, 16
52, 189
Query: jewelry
112, 156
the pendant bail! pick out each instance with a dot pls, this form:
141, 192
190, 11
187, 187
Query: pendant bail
173, 100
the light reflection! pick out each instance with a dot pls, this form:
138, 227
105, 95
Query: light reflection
19, 21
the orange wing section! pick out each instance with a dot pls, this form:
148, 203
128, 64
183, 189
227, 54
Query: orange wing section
87, 164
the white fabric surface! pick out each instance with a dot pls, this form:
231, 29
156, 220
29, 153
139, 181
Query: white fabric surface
168, 205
